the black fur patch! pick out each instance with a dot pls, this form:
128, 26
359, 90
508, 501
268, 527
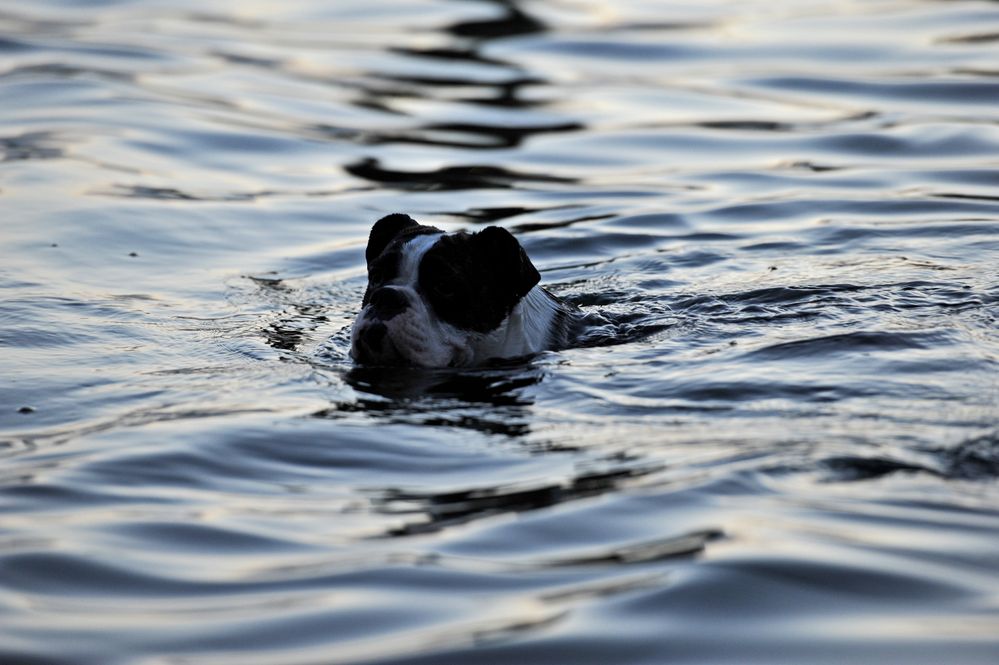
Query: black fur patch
384, 231
473, 281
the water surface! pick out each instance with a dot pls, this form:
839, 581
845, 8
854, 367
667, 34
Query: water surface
785, 451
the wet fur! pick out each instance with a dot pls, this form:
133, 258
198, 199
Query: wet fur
452, 300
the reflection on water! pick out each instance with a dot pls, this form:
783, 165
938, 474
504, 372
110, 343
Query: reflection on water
491, 401
448, 178
777, 442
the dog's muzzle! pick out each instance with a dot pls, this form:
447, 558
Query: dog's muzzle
371, 344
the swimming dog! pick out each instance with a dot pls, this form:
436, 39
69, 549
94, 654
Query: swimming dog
438, 299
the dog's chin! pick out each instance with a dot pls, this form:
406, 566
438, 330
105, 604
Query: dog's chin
385, 356
402, 342
392, 357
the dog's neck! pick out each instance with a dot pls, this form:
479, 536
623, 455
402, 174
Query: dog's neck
526, 329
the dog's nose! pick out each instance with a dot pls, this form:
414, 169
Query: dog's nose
388, 302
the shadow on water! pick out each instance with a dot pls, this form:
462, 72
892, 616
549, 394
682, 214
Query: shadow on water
30, 146
441, 510
471, 38
513, 22
496, 401
504, 89
493, 400
478, 136
973, 459
447, 178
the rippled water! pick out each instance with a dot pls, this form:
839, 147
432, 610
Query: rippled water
786, 451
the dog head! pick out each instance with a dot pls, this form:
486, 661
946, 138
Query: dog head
436, 299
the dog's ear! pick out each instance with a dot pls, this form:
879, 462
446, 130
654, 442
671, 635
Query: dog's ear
507, 259
382, 233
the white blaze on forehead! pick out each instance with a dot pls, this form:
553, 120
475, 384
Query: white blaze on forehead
412, 254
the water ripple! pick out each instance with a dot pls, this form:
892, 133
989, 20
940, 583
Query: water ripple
780, 222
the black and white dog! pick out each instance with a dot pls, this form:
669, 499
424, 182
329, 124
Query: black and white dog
453, 300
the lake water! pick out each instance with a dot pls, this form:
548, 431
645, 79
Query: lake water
786, 450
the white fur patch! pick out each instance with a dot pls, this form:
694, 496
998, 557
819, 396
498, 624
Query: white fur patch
412, 254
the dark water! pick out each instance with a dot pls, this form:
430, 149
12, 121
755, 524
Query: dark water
787, 453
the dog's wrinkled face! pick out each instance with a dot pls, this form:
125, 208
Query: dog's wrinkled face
433, 298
